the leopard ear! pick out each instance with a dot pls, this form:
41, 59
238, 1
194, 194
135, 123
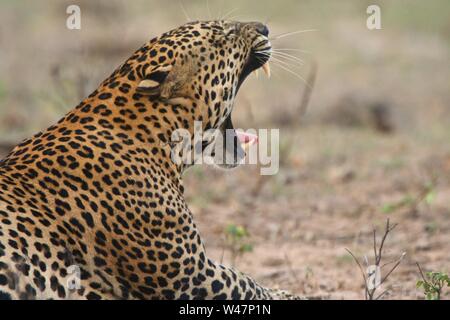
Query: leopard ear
154, 80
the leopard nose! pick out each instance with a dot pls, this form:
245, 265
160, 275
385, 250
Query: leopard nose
262, 29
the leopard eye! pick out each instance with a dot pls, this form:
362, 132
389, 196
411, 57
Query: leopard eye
231, 29
230, 32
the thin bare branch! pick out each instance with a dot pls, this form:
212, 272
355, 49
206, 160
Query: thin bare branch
375, 244
304, 103
378, 255
386, 233
362, 271
421, 273
393, 268
385, 292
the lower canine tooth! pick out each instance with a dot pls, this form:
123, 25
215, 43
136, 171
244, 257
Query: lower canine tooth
266, 68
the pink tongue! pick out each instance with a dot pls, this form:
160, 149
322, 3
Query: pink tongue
247, 138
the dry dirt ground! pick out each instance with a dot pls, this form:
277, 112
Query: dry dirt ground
327, 197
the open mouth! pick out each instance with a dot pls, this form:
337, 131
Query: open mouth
258, 59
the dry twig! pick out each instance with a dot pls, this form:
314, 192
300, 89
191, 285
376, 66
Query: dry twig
370, 289
303, 107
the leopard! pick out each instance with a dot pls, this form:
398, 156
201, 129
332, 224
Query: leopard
93, 207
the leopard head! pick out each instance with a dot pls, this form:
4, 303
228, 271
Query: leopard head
200, 67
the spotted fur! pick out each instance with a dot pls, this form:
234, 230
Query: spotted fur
98, 190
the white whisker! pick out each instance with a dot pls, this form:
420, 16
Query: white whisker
287, 34
233, 18
296, 50
229, 13
288, 57
295, 74
291, 59
266, 22
285, 67
208, 9
286, 63
220, 10
184, 11
289, 64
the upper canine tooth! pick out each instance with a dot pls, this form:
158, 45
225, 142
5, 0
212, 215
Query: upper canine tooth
266, 68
